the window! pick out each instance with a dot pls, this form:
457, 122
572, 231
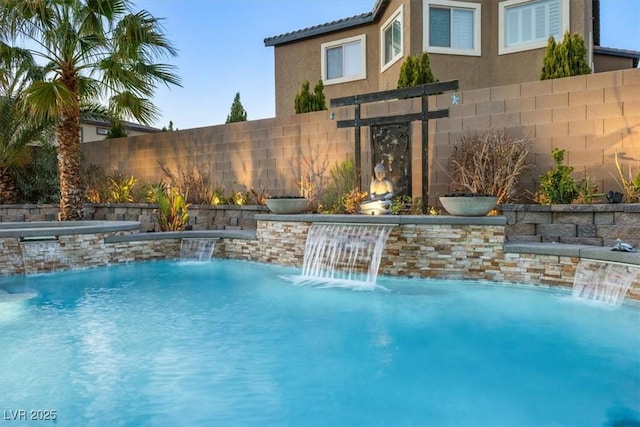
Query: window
528, 24
344, 60
391, 40
452, 27
102, 131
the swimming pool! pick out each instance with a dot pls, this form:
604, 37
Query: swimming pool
232, 343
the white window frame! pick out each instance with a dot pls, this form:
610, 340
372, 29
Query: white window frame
323, 59
450, 4
397, 16
102, 131
503, 49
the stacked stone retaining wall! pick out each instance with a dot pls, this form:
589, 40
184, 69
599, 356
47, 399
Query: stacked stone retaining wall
584, 224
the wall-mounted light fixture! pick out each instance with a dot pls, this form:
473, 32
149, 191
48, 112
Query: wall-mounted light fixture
332, 115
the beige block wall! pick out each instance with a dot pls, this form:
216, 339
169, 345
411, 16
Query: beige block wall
592, 117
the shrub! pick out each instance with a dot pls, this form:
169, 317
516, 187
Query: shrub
38, 182
565, 59
630, 185
557, 186
121, 189
342, 180
195, 186
490, 163
172, 207
94, 184
306, 102
416, 71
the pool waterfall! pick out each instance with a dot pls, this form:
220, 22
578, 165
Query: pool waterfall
603, 282
197, 249
346, 255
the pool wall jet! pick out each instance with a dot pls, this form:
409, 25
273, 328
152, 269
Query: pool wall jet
418, 246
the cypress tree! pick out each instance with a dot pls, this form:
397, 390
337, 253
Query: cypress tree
416, 71
306, 102
565, 59
238, 113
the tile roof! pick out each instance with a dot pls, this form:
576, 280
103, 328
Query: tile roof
329, 27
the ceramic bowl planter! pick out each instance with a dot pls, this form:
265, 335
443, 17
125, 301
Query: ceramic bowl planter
287, 205
469, 205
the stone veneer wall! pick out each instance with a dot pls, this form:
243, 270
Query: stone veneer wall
425, 247
585, 224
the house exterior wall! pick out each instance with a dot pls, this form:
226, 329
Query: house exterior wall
300, 60
592, 117
602, 63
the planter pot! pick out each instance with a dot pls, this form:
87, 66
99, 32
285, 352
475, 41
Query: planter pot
469, 205
292, 205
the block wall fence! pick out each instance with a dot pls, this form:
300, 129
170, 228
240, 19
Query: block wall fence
592, 117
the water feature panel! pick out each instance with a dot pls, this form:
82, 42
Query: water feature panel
197, 249
603, 282
344, 254
40, 255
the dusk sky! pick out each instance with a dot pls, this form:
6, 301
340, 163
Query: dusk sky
221, 49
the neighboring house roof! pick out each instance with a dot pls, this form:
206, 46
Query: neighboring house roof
329, 27
98, 121
622, 53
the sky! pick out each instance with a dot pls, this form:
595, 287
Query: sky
221, 49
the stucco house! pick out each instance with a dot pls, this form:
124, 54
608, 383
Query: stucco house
479, 43
96, 129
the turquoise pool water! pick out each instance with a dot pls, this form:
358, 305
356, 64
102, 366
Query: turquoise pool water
231, 343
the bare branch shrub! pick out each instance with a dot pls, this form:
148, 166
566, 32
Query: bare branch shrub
489, 163
195, 186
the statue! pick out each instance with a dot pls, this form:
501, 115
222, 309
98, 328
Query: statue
380, 194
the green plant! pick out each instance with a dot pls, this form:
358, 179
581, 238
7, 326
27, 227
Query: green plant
401, 204
565, 59
238, 113
306, 102
557, 186
587, 191
173, 212
416, 71
239, 198
37, 182
116, 131
91, 51
121, 189
489, 163
342, 179
349, 202
630, 185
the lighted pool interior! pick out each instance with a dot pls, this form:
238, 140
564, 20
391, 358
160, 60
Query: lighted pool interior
234, 343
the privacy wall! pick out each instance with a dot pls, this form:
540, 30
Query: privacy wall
592, 117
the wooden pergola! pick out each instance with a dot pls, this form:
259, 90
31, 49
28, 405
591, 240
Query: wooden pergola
422, 91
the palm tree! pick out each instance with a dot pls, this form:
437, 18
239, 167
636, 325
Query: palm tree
91, 50
18, 129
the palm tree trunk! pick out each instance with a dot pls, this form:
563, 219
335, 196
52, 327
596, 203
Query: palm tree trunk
68, 149
7, 187
69, 169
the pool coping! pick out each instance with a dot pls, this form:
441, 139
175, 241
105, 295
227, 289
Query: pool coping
599, 253
64, 228
387, 219
190, 234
